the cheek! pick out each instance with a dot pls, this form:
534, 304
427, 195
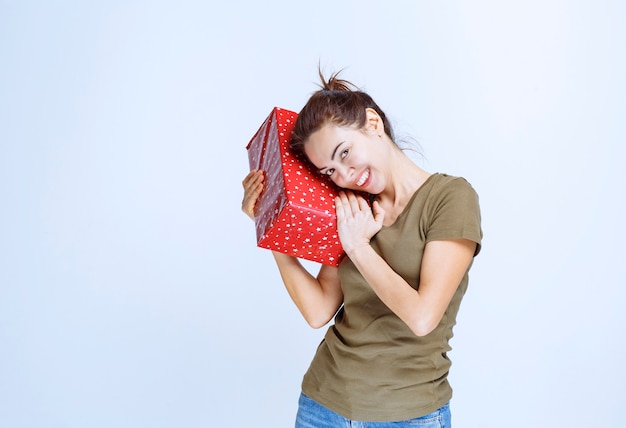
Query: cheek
339, 181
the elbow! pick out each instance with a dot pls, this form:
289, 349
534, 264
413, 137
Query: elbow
422, 328
318, 318
317, 322
316, 325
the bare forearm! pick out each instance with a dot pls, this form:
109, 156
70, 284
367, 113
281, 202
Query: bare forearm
443, 266
391, 288
317, 300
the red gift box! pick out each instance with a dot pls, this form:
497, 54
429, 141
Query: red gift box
295, 214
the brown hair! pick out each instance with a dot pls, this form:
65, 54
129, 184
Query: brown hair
338, 102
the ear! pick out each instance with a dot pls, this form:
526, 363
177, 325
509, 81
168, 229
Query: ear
373, 122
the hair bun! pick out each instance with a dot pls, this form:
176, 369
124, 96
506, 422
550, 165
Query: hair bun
334, 83
338, 102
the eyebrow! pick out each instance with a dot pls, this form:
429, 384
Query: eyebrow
332, 156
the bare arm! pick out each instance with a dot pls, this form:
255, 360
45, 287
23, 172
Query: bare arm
443, 265
317, 298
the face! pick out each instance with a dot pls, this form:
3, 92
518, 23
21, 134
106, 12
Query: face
352, 158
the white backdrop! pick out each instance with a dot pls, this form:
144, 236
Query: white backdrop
131, 290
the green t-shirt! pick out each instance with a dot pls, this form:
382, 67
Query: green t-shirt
370, 365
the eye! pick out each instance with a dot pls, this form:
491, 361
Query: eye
329, 171
344, 153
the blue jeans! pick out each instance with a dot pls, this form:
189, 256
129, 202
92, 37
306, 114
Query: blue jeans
311, 414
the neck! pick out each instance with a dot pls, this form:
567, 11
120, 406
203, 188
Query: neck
404, 178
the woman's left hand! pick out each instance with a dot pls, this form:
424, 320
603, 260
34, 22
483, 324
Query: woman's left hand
356, 223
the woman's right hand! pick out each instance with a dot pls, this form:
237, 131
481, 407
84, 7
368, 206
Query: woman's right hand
252, 188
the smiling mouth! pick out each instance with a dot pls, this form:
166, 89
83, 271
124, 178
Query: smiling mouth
363, 178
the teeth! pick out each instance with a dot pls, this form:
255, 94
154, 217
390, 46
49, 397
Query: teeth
363, 178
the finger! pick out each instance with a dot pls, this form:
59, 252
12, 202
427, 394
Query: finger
250, 187
346, 203
253, 177
250, 198
252, 193
249, 178
339, 208
354, 202
363, 205
379, 213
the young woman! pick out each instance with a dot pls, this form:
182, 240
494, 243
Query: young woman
396, 294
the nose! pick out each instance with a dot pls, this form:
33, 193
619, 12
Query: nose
343, 175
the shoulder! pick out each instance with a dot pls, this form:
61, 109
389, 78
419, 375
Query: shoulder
449, 185
453, 210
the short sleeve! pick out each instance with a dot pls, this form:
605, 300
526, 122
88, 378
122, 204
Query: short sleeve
455, 214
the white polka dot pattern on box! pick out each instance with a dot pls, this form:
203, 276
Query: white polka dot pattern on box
296, 212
